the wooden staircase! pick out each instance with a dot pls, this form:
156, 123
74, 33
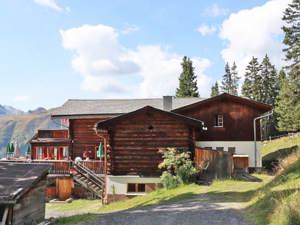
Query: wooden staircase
88, 179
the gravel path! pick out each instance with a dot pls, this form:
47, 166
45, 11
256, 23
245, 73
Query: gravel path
197, 211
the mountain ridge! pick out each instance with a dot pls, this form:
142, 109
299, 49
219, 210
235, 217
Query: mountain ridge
20, 128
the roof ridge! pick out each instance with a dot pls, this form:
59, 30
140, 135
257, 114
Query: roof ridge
112, 99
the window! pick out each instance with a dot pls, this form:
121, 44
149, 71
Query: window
219, 120
135, 187
231, 150
208, 148
220, 148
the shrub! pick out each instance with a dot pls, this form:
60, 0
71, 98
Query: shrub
178, 168
168, 180
187, 172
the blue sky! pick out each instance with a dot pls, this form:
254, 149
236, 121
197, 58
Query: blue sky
54, 50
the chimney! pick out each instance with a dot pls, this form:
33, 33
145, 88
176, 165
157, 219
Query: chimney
167, 103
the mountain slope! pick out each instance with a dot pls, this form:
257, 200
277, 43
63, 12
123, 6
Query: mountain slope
21, 128
8, 110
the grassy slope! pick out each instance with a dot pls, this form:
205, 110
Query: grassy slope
273, 201
278, 202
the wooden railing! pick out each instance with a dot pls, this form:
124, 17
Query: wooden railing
58, 166
96, 166
64, 167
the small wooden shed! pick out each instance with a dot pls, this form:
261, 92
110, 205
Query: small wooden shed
22, 193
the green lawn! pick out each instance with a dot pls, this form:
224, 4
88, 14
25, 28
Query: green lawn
275, 200
278, 202
277, 145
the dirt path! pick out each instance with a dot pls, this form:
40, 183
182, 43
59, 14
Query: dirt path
197, 211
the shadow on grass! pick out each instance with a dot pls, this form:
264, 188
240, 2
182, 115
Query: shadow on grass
271, 160
293, 168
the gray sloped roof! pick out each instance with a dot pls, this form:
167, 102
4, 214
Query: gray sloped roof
16, 178
75, 107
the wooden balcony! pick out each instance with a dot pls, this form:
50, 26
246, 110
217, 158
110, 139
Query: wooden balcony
96, 166
61, 167
64, 167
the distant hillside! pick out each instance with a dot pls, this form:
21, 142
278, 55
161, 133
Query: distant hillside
22, 128
8, 110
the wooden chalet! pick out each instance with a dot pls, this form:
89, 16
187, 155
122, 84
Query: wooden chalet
22, 194
133, 141
131, 131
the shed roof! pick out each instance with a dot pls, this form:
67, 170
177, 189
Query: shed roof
77, 107
111, 122
17, 178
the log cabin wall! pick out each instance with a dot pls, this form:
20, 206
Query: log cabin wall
83, 136
237, 118
135, 142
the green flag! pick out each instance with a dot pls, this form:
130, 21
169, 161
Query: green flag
100, 150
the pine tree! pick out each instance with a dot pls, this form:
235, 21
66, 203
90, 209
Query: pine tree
286, 121
226, 82
292, 32
187, 80
235, 79
281, 77
288, 102
214, 90
252, 83
230, 80
270, 82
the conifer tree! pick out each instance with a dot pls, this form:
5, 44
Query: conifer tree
291, 29
270, 82
286, 121
252, 83
187, 80
235, 79
288, 102
214, 90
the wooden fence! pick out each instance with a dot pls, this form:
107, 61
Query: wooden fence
214, 163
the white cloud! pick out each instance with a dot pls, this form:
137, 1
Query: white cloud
254, 32
50, 4
215, 10
106, 66
205, 29
160, 70
130, 28
21, 98
98, 56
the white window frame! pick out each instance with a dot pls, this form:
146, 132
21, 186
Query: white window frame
220, 121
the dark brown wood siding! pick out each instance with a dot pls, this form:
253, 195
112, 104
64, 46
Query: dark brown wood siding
238, 120
83, 135
136, 141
